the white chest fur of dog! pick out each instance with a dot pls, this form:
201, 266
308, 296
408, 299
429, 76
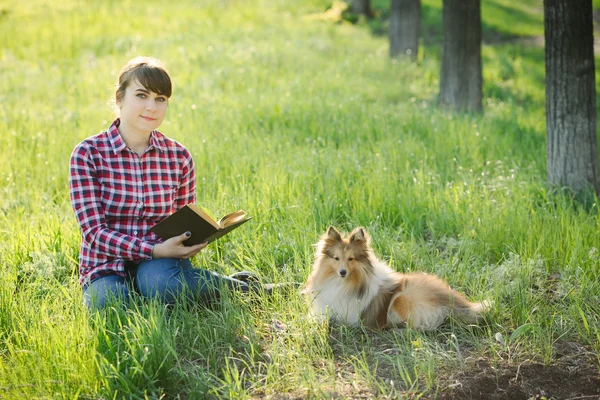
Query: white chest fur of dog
342, 302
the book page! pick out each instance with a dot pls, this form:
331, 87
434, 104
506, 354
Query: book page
232, 218
204, 215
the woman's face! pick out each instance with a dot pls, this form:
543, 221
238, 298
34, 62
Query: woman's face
142, 111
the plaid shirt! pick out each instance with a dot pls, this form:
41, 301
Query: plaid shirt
118, 196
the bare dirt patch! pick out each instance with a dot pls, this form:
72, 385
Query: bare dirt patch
572, 375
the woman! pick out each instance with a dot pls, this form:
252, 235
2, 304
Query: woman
125, 180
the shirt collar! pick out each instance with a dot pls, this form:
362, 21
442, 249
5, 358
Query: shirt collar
157, 140
118, 144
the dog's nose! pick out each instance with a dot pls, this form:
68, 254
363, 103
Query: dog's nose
343, 273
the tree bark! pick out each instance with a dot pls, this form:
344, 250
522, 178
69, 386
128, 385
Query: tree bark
571, 137
460, 78
405, 24
362, 7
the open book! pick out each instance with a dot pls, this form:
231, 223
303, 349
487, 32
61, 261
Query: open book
203, 228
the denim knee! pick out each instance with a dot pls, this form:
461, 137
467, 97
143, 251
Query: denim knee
168, 278
162, 278
106, 290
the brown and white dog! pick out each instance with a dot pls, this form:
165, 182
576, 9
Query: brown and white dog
351, 285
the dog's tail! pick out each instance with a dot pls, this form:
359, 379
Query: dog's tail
472, 313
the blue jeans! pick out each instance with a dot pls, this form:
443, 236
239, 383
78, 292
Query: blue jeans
165, 279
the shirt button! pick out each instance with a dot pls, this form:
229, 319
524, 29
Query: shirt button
135, 232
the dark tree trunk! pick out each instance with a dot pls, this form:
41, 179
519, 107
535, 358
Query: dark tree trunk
362, 7
460, 79
571, 141
405, 23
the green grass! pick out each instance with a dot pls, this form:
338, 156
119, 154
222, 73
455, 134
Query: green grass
302, 124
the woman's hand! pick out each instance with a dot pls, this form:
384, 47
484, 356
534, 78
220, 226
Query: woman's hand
174, 248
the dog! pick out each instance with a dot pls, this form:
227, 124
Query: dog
351, 285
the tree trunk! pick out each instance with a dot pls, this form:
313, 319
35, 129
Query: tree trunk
362, 7
405, 22
460, 79
571, 138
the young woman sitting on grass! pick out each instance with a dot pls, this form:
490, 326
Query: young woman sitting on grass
125, 180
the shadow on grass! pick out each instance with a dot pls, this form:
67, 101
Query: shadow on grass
399, 362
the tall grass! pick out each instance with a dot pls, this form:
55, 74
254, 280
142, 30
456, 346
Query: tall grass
303, 124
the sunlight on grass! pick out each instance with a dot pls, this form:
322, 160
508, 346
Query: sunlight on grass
304, 125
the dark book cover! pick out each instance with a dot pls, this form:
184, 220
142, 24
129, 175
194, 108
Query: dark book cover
189, 218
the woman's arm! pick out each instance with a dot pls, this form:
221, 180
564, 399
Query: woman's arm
85, 194
186, 193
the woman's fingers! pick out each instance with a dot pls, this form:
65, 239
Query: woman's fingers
195, 249
174, 247
183, 237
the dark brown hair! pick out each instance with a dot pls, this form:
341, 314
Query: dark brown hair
149, 72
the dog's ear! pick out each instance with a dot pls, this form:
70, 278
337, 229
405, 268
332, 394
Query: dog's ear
333, 234
359, 235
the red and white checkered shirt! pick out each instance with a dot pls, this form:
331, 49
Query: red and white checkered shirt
118, 196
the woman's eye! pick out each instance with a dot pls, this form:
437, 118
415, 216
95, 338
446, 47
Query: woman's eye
161, 99
141, 95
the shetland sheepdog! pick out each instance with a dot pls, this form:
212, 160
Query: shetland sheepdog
349, 284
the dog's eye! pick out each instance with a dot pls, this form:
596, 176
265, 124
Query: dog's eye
336, 258
351, 259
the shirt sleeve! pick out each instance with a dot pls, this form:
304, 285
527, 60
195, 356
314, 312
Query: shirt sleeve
186, 193
85, 194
